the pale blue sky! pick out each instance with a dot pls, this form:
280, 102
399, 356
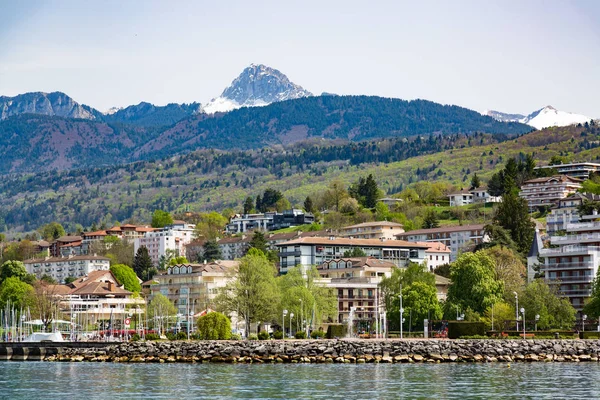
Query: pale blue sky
512, 56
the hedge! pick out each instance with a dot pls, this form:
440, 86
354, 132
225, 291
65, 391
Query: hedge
457, 329
336, 331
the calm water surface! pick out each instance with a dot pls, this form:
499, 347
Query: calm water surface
36, 380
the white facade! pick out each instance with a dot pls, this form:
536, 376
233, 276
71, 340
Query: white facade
575, 170
372, 230
61, 268
454, 237
316, 250
548, 191
481, 195
247, 222
172, 238
462, 198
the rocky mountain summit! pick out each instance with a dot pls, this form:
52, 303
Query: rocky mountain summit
542, 118
257, 85
52, 104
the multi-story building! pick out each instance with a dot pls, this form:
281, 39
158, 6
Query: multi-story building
576, 170
61, 268
566, 211
371, 230
170, 239
66, 246
268, 221
462, 197
454, 237
548, 191
193, 287
356, 281
307, 251
573, 263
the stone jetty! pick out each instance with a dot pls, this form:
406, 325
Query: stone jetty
311, 351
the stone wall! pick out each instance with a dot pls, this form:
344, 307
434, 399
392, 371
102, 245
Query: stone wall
311, 351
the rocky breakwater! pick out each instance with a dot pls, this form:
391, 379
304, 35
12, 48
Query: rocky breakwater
338, 351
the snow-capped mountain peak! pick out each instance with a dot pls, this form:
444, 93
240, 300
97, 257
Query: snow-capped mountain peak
542, 118
112, 110
257, 85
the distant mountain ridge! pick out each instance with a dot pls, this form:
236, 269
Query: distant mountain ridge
52, 104
542, 118
147, 114
257, 85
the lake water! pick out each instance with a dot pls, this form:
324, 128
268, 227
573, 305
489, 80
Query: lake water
44, 380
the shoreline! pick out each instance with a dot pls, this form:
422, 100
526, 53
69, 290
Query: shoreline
348, 351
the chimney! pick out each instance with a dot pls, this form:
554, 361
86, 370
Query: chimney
110, 286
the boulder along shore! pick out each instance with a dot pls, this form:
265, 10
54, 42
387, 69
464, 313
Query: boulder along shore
311, 351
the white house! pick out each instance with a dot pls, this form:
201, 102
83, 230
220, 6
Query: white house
171, 238
461, 198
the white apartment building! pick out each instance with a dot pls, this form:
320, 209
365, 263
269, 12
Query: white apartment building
572, 265
170, 238
454, 237
548, 191
248, 222
61, 268
372, 230
580, 170
307, 251
193, 287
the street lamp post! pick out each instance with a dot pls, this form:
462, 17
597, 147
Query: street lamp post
523, 312
537, 318
401, 316
457, 318
517, 309
302, 312
283, 322
584, 317
291, 317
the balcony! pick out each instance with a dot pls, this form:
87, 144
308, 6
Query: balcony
568, 250
570, 279
568, 265
593, 237
577, 292
294, 253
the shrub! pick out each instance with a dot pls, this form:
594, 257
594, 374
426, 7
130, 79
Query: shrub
317, 334
278, 335
171, 336
195, 336
589, 335
300, 335
263, 335
152, 336
181, 336
214, 326
135, 337
235, 336
253, 336
336, 331
457, 329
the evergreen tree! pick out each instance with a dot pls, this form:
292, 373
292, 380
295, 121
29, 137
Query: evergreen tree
259, 242
248, 205
475, 181
496, 184
258, 206
430, 220
142, 263
270, 199
365, 191
308, 205
512, 214
212, 251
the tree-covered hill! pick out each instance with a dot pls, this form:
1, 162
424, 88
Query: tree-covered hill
214, 179
353, 118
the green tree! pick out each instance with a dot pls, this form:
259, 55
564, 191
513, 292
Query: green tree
49, 280
303, 294
211, 226
52, 231
270, 199
473, 284
309, 205
142, 263
430, 219
214, 326
161, 218
540, 299
282, 205
19, 294
365, 191
160, 311
259, 242
592, 306
512, 214
13, 269
126, 276
355, 252
252, 291
212, 251
499, 313
475, 181
420, 300
248, 205
508, 268
178, 260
